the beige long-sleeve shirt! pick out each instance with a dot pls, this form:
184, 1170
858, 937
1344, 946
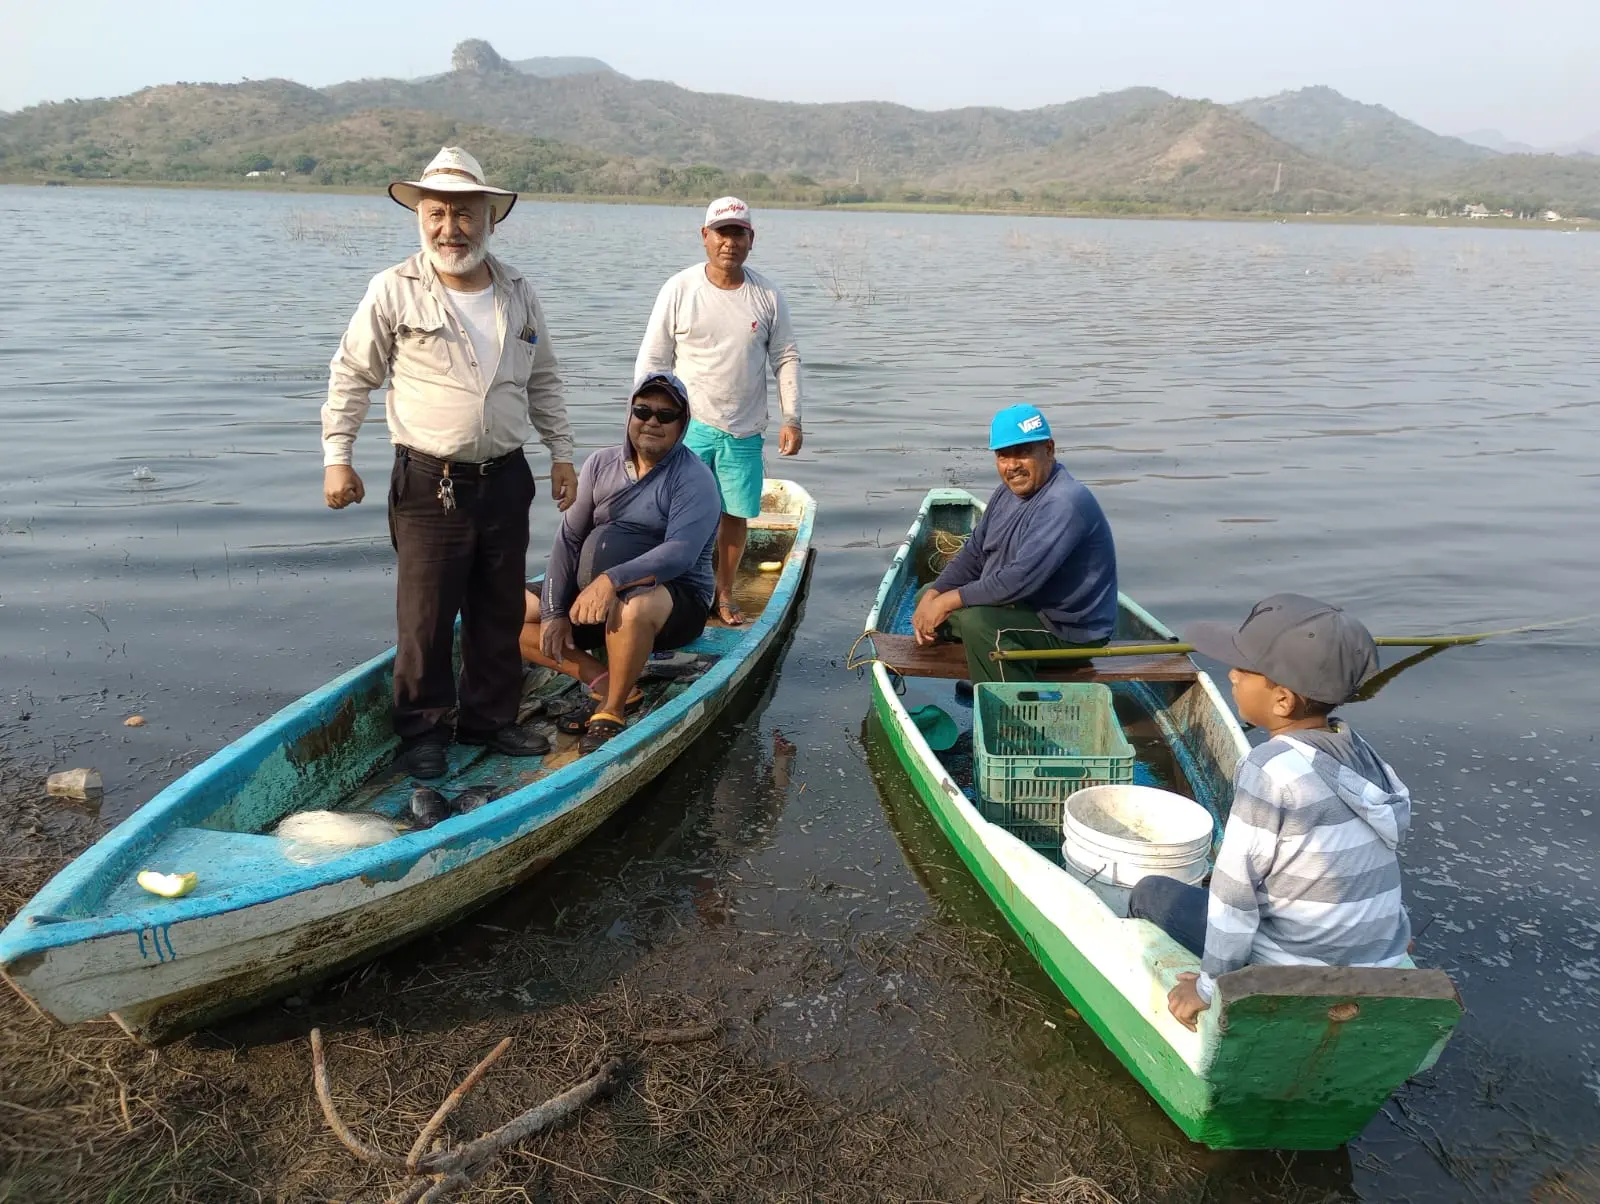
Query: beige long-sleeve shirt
441, 403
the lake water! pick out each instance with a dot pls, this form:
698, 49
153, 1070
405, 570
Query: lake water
1400, 419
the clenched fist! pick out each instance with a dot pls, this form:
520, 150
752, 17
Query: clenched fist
341, 485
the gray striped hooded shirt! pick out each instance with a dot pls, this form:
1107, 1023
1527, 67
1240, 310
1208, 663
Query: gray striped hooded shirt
1308, 872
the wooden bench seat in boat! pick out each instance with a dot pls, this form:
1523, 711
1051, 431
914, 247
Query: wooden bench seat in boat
949, 660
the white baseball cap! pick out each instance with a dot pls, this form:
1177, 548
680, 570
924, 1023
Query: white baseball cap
727, 211
453, 170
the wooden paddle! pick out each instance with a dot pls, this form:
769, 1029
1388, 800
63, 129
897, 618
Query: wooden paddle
1384, 641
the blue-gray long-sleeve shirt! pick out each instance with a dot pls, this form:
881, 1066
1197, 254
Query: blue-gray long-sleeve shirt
663, 525
1051, 552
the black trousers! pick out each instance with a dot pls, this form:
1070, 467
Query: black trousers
470, 561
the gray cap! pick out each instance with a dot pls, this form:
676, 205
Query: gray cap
1307, 646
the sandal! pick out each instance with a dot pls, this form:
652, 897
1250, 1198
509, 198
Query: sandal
596, 695
601, 727
575, 718
729, 613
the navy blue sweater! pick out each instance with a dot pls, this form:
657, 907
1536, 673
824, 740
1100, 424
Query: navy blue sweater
1051, 553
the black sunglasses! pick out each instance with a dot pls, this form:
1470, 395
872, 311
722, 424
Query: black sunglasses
665, 417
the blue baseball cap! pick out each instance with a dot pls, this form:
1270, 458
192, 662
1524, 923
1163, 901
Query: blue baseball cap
1017, 424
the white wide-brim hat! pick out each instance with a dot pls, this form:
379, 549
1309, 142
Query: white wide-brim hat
453, 170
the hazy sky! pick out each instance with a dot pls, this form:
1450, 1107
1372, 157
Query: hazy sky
1528, 71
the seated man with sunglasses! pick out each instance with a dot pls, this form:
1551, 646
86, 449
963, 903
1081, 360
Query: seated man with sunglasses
631, 571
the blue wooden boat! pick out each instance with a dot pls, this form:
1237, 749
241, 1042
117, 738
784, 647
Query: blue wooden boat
260, 923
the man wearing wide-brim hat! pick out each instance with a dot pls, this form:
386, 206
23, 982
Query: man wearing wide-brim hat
462, 341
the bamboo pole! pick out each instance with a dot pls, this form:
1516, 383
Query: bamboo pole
1174, 647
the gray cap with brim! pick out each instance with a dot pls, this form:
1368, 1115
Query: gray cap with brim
1302, 644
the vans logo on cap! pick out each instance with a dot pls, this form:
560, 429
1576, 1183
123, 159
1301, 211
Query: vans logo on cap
1028, 425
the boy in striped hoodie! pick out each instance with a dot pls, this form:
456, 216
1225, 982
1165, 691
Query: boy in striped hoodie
1308, 871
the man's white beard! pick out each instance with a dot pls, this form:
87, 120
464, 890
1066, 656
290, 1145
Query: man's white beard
453, 261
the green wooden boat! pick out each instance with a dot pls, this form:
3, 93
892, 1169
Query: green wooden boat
1287, 1057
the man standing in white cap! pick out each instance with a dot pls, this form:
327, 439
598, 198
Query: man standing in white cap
718, 325
462, 340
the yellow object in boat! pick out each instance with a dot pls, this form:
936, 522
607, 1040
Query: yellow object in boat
168, 886
771, 566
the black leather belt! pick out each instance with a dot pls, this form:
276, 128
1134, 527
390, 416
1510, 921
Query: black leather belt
454, 468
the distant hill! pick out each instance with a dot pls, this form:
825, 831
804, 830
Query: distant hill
649, 118
1324, 123
479, 56
1589, 145
575, 126
552, 68
1569, 184
191, 132
1496, 141
171, 132
1188, 153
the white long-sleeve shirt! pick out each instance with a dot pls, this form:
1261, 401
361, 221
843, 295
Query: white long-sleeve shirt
720, 342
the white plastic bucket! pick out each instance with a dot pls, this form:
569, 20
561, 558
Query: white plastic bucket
1119, 834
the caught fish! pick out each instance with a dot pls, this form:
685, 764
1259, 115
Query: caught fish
315, 836
472, 798
429, 807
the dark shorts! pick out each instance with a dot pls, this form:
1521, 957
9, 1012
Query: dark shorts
683, 625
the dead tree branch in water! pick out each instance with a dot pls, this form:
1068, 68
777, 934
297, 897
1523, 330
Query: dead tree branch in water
420, 1147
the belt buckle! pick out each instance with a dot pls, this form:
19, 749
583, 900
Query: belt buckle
483, 467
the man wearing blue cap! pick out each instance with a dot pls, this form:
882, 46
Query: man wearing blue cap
1039, 570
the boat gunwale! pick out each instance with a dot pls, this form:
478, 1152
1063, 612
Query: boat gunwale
34, 931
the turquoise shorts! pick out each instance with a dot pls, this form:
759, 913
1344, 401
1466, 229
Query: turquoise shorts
736, 463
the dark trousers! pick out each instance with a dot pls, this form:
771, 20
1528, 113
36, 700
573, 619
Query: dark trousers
981, 629
470, 561
1176, 908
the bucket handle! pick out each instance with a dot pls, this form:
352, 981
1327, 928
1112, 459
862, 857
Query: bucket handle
1060, 771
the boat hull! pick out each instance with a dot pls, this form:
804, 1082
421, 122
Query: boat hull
266, 952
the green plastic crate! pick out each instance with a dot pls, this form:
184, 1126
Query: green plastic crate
1035, 743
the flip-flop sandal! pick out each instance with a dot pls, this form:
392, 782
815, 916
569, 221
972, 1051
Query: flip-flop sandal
729, 613
596, 696
601, 727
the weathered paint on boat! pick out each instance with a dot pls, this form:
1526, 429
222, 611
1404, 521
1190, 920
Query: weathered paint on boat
1288, 1057
91, 943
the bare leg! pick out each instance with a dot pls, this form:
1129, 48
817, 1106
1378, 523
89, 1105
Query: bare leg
573, 663
628, 647
732, 533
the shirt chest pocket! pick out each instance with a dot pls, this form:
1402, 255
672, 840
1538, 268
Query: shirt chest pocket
519, 353
422, 342
522, 340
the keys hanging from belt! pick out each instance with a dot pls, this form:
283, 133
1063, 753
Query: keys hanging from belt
447, 490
